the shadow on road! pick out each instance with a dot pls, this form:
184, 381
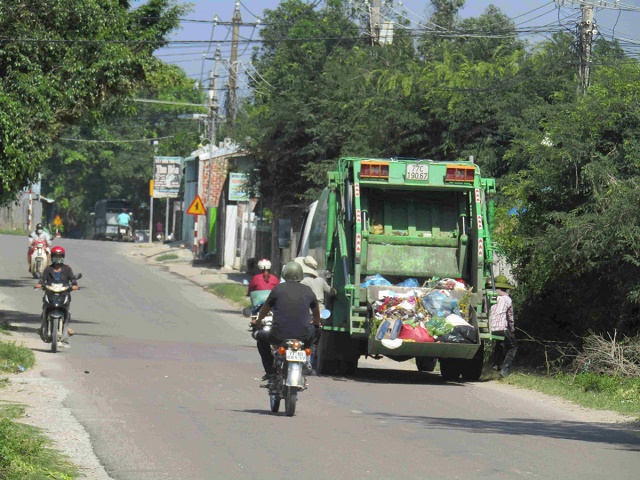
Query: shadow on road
390, 376
585, 432
26, 281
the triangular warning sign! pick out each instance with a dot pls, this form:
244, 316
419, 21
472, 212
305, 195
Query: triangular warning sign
196, 207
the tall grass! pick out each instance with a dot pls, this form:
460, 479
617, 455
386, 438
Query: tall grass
237, 293
25, 452
15, 357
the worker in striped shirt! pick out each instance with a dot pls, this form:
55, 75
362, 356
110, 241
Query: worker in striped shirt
501, 324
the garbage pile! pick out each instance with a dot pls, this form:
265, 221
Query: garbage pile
427, 314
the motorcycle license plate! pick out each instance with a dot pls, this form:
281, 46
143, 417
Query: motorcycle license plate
122, 230
296, 356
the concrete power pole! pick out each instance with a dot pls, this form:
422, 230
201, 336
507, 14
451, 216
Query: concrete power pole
586, 39
213, 101
374, 22
233, 70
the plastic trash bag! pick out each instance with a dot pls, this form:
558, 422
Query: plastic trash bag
418, 333
409, 282
461, 334
376, 279
440, 305
438, 326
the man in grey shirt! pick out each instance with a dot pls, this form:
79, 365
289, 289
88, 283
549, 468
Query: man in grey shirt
316, 283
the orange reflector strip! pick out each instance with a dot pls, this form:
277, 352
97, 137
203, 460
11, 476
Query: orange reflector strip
458, 173
371, 169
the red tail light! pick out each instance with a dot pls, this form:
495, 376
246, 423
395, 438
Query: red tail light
458, 173
373, 169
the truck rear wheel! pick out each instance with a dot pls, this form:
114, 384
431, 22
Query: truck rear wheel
450, 369
326, 364
426, 364
472, 370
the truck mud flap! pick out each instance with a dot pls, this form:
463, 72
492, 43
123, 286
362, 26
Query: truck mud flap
418, 349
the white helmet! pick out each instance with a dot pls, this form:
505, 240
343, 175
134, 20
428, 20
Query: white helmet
264, 264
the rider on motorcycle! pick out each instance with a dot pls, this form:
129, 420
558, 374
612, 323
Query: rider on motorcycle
291, 302
123, 218
57, 272
39, 234
263, 280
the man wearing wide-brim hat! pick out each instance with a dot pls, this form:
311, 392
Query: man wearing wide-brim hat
501, 323
320, 287
311, 278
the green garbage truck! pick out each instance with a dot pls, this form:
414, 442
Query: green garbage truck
400, 219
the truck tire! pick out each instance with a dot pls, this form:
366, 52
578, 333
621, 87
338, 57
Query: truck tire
426, 364
450, 369
472, 370
326, 364
347, 367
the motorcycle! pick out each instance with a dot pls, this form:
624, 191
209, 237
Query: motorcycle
124, 234
291, 361
57, 297
38, 257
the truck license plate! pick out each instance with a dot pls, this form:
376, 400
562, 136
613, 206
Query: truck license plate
296, 356
417, 171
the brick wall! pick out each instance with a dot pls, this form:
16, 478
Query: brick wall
214, 174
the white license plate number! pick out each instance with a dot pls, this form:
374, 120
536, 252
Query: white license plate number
416, 171
296, 356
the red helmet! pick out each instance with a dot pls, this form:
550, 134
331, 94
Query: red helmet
57, 255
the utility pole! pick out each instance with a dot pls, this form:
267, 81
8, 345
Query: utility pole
586, 39
213, 101
374, 22
233, 67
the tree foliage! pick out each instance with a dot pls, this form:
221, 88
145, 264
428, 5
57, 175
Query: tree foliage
61, 61
113, 157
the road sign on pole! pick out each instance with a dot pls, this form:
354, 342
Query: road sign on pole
196, 207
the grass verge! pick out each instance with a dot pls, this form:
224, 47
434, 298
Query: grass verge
14, 358
600, 392
166, 257
14, 232
25, 452
235, 292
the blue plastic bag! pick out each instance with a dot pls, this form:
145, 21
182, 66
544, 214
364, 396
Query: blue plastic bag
440, 305
409, 282
376, 279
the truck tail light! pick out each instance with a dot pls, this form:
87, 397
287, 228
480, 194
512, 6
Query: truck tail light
370, 169
459, 173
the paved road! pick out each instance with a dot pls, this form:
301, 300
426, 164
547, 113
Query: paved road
165, 379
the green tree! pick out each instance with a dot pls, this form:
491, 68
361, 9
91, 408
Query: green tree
575, 239
61, 61
109, 158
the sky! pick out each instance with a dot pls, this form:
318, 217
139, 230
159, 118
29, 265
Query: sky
196, 59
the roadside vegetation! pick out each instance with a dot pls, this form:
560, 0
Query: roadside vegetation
590, 390
14, 358
233, 292
167, 257
14, 232
25, 452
